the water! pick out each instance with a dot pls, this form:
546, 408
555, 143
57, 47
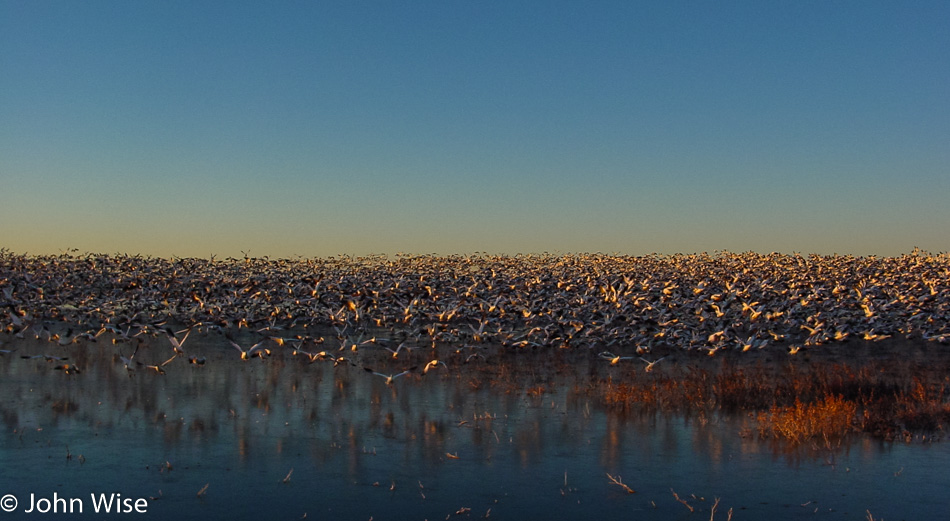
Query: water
284, 439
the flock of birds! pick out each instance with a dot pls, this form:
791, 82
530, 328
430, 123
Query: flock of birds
620, 308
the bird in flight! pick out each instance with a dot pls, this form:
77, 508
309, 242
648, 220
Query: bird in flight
48, 358
650, 364
127, 362
176, 343
152, 367
390, 377
67, 368
614, 360
399, 348
433, 365
257, 349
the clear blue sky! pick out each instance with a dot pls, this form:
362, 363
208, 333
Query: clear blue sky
323, 128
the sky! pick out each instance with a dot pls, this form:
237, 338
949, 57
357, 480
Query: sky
323, 128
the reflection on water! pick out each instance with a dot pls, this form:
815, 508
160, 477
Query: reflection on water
284, 439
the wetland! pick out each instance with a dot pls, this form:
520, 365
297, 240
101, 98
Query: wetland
732, 386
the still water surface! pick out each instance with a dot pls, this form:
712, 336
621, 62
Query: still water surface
284, 439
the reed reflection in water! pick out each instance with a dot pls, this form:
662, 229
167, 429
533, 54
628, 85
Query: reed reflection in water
525, 438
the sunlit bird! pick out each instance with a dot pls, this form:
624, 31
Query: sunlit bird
152, 367
614, 359
67, 368
257, 349
399, 348
433, 365
650, 364
313, 357
176, 343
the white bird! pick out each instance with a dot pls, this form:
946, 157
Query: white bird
67, 338
474, 356
341, 360
433, 365
650, 364
257, 349
127, 362
67, 368
153, 367
390, 377
19, 323
478, 335
313, 357
177, 344
399, 348
614, 360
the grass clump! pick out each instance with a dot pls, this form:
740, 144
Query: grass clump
829, 420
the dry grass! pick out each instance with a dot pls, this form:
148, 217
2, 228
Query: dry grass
623, 396
828, 420
799, 403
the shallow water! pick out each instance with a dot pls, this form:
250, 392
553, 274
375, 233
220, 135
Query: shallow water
283, 439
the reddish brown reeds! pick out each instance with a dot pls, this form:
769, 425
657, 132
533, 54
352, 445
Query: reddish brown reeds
921, 408
622, 396
828, 420
796, 403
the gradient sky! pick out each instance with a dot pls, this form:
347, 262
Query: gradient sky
321, 128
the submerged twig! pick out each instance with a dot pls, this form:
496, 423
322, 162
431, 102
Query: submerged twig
616, 481
683, 501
